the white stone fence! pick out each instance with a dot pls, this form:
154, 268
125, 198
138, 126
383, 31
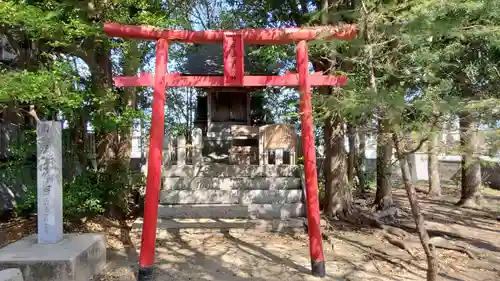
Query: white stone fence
178, 151
277, 145
450, 168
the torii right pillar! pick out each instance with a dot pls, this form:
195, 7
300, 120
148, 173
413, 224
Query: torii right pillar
310, 169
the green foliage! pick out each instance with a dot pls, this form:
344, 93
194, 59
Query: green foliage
83, 196
50, 89
27, 205
50, 37
86, 195
92, 193
371, 180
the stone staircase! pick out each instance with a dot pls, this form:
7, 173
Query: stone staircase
219, 196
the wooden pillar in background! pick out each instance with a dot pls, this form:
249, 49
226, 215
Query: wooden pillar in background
249, 109
209, 111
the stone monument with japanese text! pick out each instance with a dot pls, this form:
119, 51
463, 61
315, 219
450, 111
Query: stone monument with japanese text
49, 181
52, 255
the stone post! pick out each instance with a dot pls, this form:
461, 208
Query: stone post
293, 156
181, 150
421, 166
167, 151
263, 152
278, 156
410, 158
418, 166
49, 182
197, 141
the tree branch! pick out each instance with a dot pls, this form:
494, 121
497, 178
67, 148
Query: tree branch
31, 112
295, 14
423, 140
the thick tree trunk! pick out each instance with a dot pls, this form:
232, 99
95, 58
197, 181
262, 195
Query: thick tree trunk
79, 140
360, 161
432, 266
131, 65
433, 165
383, 197
338, 196
351, 157
101, 76
471, 166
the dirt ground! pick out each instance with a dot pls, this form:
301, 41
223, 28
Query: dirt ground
351, 253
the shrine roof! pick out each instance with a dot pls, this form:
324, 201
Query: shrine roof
207, 59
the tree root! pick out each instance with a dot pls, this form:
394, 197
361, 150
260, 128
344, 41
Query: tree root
402, 244
389, 232
398, 236
443, 243
395, 231
487, 265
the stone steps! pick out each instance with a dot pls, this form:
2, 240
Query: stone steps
232, 183
264, 197
286, 226
229, 171
244, 197
232, 211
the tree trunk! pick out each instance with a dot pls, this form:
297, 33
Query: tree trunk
432, 266
383, 197
360, 159
338, 196
79, 140
433, 165
131, 65
351, 157
471, 166
101, 76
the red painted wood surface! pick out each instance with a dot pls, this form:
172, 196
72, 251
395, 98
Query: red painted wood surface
176, 80
153, 181
233, 53
309, 151
250, 36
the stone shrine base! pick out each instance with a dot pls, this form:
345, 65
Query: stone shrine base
77, 257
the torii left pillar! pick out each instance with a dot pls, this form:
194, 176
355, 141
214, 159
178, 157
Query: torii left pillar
153, 181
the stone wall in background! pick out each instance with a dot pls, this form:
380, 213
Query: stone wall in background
449, 169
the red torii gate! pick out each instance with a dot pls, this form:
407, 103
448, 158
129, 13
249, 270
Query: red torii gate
233, 42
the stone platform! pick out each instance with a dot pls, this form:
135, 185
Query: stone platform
203, 226
77, 257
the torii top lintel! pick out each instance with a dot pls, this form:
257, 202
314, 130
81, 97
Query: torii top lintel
249, 36
233, 48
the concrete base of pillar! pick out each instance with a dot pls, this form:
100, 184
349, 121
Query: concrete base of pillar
12, 274
77, 257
